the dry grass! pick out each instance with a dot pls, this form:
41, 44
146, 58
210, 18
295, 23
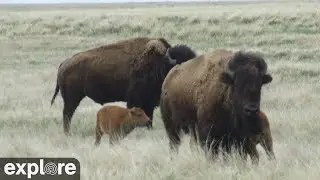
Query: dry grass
34, 40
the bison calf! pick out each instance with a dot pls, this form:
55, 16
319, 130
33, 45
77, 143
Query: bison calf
264, 139
119, 122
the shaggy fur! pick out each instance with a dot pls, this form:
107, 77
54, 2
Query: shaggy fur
149, 71
103, 74
118, 122
200, 95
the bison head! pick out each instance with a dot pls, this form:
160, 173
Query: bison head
246, 73
179, 54
139, 117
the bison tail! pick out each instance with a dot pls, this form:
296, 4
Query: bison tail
55, 93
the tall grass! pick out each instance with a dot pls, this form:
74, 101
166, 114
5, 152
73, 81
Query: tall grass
34, 40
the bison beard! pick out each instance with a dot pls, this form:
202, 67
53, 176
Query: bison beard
148, 74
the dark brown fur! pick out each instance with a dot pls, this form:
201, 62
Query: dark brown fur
118, 122
104, 75
199, 97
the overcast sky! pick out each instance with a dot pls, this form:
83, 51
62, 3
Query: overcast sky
97, 1
82, 1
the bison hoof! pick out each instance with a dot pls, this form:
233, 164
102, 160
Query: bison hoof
67, 133
149, 126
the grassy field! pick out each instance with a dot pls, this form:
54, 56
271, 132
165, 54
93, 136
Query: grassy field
35, 39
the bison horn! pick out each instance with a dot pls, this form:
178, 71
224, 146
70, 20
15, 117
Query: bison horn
171, 61
231, 73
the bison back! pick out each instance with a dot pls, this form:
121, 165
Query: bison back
102, 73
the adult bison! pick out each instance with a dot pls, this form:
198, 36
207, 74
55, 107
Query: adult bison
130, 70
216, 96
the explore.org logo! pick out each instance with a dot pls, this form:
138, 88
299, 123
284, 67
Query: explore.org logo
39, 168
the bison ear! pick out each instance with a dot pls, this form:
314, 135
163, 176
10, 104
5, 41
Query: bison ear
266, 78
171, 60
226, 77
134, 111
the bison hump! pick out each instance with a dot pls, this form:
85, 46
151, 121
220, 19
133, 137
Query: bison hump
156, 46
154, 51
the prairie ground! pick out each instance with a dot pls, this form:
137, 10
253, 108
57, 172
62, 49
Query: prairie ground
36, 39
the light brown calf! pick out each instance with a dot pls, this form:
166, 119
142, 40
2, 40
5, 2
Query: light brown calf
118, 122
264, 139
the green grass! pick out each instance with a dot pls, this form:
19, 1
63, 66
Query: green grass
35, 39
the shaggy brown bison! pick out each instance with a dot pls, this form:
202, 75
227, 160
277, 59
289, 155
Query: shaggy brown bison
118, 122
216, 96
130, 70
264, 139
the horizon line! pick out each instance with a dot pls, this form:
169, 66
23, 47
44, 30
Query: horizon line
138, 2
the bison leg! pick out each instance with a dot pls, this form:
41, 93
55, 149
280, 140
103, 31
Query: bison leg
243, 150
206, 139
174, 140
71, 102
171, 123
68, 111
254, 155
251, 149
210, 147
173, 135
193, 136
115, 138
267, 144
205, 131
99, 134
207, 142
149, 112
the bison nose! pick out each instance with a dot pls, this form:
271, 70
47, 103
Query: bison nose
251, 109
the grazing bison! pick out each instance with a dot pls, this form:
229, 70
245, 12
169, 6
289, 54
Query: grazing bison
118, 122
264, 138
130, 70
215, 97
